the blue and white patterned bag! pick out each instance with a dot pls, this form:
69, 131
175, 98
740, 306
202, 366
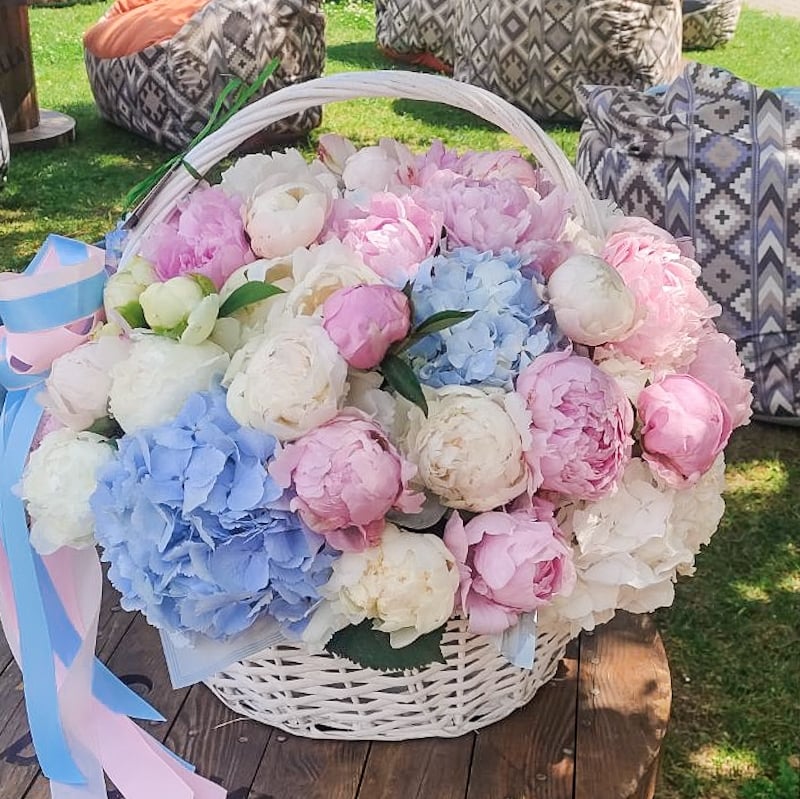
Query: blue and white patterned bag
717, 159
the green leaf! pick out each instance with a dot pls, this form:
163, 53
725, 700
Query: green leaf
250, 292
433, 324
441, 321
206, 285
371, 648
400, 376
107, 427
133, 314
173, 332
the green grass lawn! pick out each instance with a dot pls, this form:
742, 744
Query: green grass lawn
732, 635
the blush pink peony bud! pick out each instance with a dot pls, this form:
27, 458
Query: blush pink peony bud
364, 321
685, 425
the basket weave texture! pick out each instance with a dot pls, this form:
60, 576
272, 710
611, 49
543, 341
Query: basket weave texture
323, 695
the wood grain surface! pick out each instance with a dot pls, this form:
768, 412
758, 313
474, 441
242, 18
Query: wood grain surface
594, 732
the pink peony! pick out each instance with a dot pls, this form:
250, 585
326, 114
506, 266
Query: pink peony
719, 367
509, 563
581, 424
346, 475
205, 236
685, 425
393, 235
364, 321
500, 164
673, 309
492, 215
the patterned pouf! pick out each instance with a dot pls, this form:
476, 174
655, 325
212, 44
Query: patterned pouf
716, 159
5, 149
167, 90
417, 31
535, 52
709, 23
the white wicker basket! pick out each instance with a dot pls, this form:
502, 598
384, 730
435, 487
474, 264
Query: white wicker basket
322, 695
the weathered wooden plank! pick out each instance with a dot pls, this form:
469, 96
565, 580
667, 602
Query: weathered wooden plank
624, 697
430, 768
529, 755
226, 746
298, 768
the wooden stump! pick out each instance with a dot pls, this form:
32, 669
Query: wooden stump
17, 83
27, 127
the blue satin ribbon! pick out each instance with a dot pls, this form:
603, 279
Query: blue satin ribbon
50, 309
20, 417
44, 626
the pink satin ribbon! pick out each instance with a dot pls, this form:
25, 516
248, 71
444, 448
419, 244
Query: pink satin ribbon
100, 740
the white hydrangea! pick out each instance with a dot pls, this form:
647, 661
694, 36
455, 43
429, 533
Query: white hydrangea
631, 546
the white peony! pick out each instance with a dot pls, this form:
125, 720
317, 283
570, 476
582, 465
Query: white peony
334, 150
378, 168
151, 385
286, 199
181, 306
59, 479
406, 585
76, 391
234, 331
470, 449
320, 271
280, 218
288, 380
631, 375
366, 395
591, 301
127, 285
252, 172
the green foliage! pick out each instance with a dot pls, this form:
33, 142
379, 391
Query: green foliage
250, 292
400, 376
133, 314
785, 786
371, 648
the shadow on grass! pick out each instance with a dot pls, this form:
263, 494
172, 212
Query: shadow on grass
75, 190
732, 635
358, 55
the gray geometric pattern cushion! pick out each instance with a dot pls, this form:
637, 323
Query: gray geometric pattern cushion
5, 150
416, 27
166, 92
716, 159
709, 23
535, 52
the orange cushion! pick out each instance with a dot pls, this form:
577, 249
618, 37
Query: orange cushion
131, 25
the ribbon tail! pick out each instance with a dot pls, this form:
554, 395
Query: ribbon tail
108, 688
19, 419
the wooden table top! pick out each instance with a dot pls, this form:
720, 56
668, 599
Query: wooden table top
594, 732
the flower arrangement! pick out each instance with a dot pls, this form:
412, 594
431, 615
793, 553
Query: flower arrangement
360, 395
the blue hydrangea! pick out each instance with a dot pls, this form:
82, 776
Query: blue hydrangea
511, 327
198, 535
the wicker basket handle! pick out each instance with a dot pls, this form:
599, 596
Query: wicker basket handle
354, 85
